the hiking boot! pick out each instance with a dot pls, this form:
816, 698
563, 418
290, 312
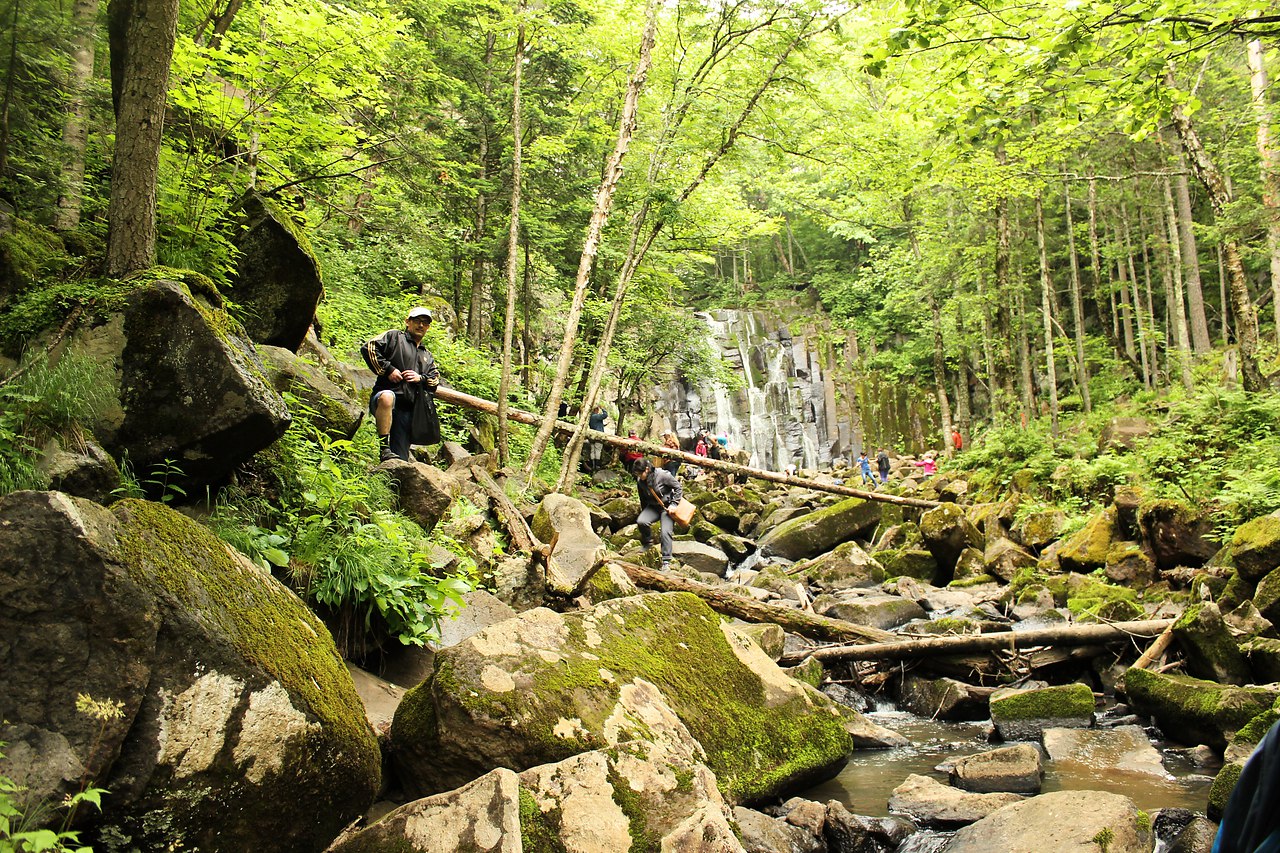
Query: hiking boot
666, 566
384, 449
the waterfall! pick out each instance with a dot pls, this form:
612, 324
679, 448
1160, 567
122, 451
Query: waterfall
781, 414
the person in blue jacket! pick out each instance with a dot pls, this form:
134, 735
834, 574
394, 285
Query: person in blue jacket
1251, 820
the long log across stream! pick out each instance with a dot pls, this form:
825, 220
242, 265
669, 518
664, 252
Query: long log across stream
457, 398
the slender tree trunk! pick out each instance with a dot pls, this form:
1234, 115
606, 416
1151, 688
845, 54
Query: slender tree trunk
10, 85
1177, 311
1222, 299
513, 243
1125, 314
1269, 160
1200, 342
476, 321
75, 132
1026, 383
1046, 296
964, 415
1004, 242
1246, 320
1077, 308
1149, 309
142, 33
1127, 259
591, 244
988, 352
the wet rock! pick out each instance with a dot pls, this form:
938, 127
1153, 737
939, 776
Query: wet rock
1038, 529
929, 802
1197, 837
736, 548
329, 406
578, 549
223, 675
1193, 711
1125, 749
1063, 820
947, 531
277, 278
1024, 714
701, 558
722, 514
1177, 534
1122, 434
846, 832
1086, 549
943, 698
1210, 648
1013, 769
761, 833
425, 491
545, 685
846, 565
886, 612
1255, 547
868, 735
821, 530
86, 471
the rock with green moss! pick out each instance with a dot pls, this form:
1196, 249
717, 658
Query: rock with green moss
1128, 564
324, 403
1237, 753
240, 726
722, 514
608, 582
1025, 714
769, 637
579, 551
277, 278
1003, 558
1266, 596
904, 535
811, 672
1086, 549
1177, 534
847, 565
947, 531
736, 548
943, 698
909, 562
26, 251
622, 511
82, 468
1085, 821
876, 611
1193, 711
1255, 547
1038, 529
1209, 646
821, 530
1083, 594
1236, 591
545, 686
1263, 655
969, 564
1220, 791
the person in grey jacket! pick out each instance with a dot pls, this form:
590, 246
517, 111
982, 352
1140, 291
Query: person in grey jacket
659, 492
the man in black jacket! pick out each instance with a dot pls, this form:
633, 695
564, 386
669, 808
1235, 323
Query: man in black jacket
405, 370
660, 491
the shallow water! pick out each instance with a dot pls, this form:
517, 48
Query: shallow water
866, 782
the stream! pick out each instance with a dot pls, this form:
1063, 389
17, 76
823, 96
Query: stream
866, 782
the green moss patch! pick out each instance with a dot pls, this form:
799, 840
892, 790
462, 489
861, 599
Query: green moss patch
1193, 711
1068, 701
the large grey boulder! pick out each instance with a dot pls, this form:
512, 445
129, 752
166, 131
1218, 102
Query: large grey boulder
699, 557
927, 801
277, 279
1194, 711
943, 698
846, 565
821, 530
764, 834
194, 394
86, 471
224, 679
1210, 648
947, 531
1255, 547
1013, 769
544, 686
425, 491
331, 407
578, 549
1060, 821
876, 611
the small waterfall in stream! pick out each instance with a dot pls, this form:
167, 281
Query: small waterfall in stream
785, 411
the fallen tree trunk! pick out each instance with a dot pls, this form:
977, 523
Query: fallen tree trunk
1064, 635
457, 398
749, 610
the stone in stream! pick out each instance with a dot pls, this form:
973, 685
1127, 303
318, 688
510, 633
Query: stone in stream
928, 801
1210, 648
1124, 749
844, 566
761, 833
846, 832
1236, 754
1193, 711
1086, 821
544, 686
1012, 769
700, 557
943, 698
821, 530
1024, 714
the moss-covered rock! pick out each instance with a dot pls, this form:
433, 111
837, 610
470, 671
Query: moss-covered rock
1004, 559
579, 550
608, 582
821, 530
947, 531
1255, 547
241, 728
942, 698
1210, 648
1220, 791
26, 251
722, 514
909, 562
809, 672
1082, 593
1266, 597
885, 611
1024, 714
278, 278
545, 686
1193, 711
1086, 549
1177, 534
1263, 655
847, 565
326, 404
1128, 564
622, 511
1038, 529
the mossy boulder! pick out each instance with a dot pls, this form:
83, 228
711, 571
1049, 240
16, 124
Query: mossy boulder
1263, 655
1038, 529
622, 511
847, 565
1003, 558
1024, 714
909, 562
1082, 593
970, 564
722, 514
1255, 547
1266, 596
545, 686
1210, 648
1086, 549
277, 279
579, 551
736, 548
1237, 753
821, 530
607, 582
1176, 534
1194, 711
880, 611
241, 728
325, 403
26, 251
1128, 564
943, 698
947, 531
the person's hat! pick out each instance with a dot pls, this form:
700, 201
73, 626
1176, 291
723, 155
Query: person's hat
420, 312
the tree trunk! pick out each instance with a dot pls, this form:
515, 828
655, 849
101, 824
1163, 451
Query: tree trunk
10, 85
476, 321
1177, 311
1046, 296
1143, 332
75, 132
1246, 320
513, 244
1077, 308
1269, 161
1200, 342
1002, 284
1026, 383
591, 244
142, 33
988, 352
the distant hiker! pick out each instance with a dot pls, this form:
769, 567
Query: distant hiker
927, 465
956, 441
721, 446
669, 440
631, 454
882, 463
864, 464
401, 403
1251, 821
659, 492
595, 449
701, 448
